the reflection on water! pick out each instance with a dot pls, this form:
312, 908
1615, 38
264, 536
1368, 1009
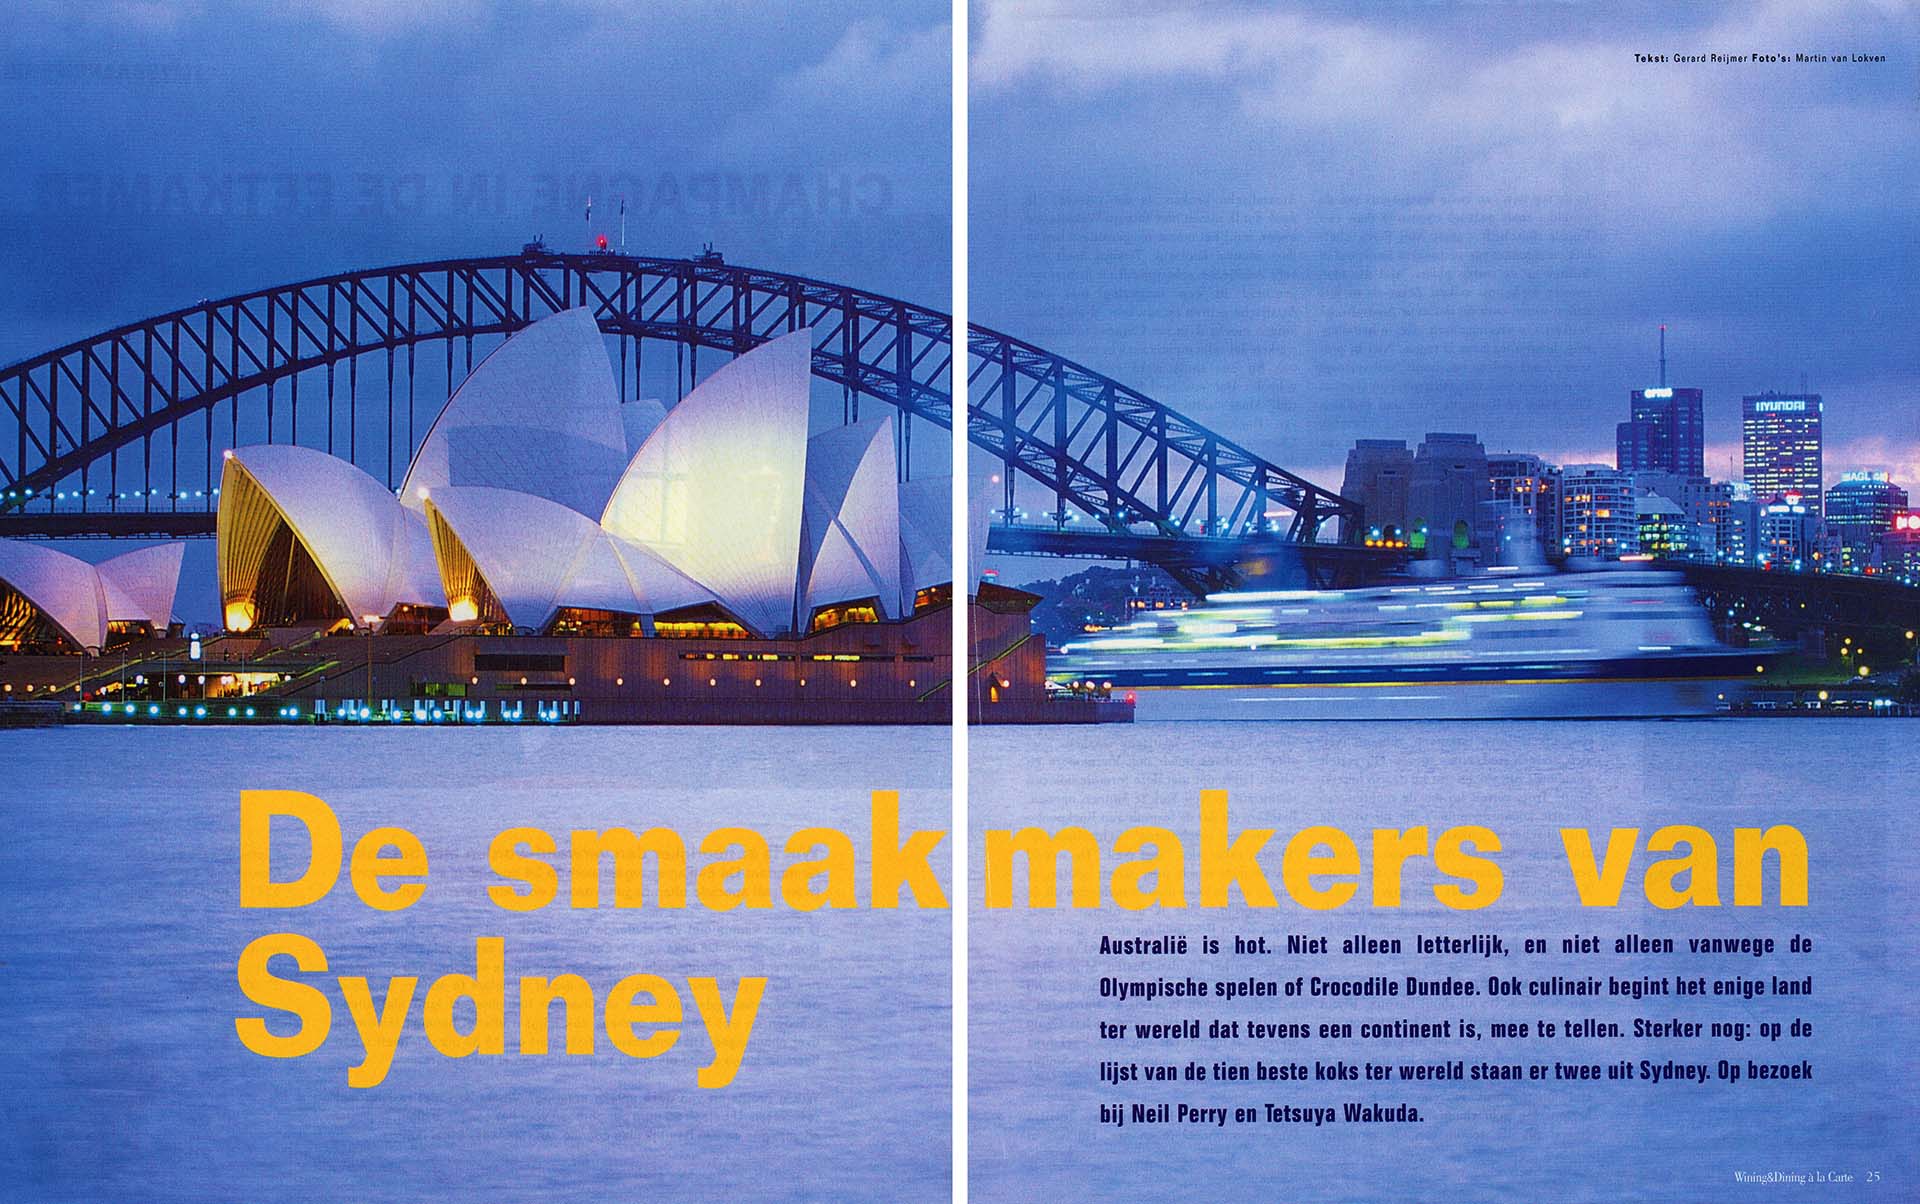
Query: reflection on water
1035, 1050
123, 1079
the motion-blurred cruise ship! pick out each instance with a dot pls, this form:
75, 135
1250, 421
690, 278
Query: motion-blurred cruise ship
1627, 643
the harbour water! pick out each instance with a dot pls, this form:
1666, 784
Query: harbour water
121, 1076
1035, 1002
119, 930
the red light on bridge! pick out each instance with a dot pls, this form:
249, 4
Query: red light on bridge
601, 242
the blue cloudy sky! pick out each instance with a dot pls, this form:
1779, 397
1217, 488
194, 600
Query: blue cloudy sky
159, 151
1309, 223
155, 152
1302, 224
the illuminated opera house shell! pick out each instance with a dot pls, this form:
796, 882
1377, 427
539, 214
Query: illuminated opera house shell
55, 602
307, 537
538, 502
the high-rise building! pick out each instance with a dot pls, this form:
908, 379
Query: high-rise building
1378, 471
1524, 482
1666, 433
1738, 536
1598, 516
1663, 529
1898, 551
1789, 534
1666, 428
1780, 446
1859, 510
1444, 492
1520, 520
1709, 506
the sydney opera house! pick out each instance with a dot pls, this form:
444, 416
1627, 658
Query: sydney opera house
556, 552
53, 603
553, 553
538, 504
551, 545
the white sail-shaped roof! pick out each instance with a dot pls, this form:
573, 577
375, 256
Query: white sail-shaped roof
411, 577
926, 539
373, 552
539, 415
638, 418
537, 556
524, 547
141, 584
926, 530
717, 489
851, 534
658, 584
66, 589
597, 580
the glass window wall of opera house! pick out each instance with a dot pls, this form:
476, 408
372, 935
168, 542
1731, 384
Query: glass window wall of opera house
551, 554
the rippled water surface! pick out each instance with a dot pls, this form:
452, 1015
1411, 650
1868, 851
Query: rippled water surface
122, 1077
1849, 786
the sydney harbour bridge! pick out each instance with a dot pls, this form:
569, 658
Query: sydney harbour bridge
121, 434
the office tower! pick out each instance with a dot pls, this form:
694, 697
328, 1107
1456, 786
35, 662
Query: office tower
1666, 429
1789, 534
1897, 552
1711, 507
1598, 517
1663, 529
1780, 446
1859, 510
1738, 537
1520, 520
1667, 433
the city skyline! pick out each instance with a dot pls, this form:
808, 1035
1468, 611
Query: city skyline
1452, 501
1723, 459
1312, 223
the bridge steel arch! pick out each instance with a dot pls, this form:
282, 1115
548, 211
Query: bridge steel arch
222, 367
75, 410
1125, 459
